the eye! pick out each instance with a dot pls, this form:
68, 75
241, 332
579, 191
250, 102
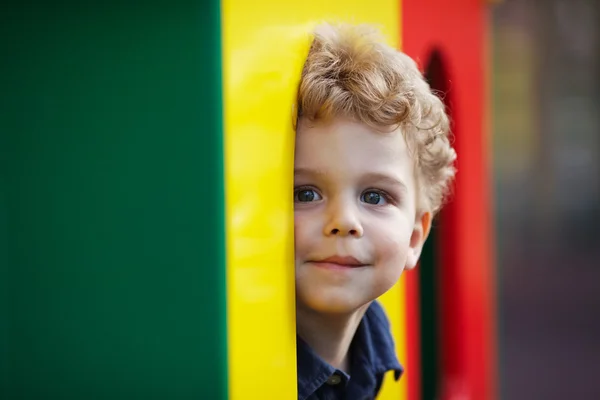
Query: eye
372, 197
305, 195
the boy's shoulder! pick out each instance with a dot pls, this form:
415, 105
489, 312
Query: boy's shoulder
377, 314
373, 355
375, 339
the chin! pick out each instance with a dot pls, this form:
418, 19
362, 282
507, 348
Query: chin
331, 302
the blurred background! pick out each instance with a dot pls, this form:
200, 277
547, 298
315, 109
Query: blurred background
546, 168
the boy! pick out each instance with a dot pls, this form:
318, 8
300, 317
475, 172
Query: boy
373, 163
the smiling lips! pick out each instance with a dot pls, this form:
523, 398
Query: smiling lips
337, 262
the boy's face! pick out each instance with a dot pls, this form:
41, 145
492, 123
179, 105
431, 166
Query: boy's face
356, 227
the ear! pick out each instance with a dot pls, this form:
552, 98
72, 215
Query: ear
417, 239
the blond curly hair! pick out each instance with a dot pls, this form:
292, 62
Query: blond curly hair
351, 72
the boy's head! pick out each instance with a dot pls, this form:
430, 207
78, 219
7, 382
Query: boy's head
373, 163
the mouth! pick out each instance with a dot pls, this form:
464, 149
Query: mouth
339, 262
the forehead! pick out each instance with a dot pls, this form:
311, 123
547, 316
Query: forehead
351, 146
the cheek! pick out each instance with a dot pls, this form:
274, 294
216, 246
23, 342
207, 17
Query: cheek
304, 228
392, 251
392, 245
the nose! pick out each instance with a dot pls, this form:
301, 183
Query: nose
342, 220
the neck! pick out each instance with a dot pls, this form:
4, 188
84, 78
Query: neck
329, 335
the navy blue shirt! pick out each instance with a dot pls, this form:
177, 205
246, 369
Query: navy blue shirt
372, 354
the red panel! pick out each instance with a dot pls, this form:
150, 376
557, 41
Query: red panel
458, 29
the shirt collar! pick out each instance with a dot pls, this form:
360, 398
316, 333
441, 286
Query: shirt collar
373, 354
374, 338
313, 372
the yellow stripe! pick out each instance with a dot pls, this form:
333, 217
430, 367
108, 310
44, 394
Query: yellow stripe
264, 46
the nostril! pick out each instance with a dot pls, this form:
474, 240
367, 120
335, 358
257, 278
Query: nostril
353, 232
335, 231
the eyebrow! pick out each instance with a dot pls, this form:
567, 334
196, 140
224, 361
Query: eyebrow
309, 172
368, 177
384, 178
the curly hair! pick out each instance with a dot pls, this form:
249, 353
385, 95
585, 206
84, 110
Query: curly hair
351, 72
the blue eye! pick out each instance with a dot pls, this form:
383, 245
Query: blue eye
306, 195
372, 197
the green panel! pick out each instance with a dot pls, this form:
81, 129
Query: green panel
431, 264
112, 202
429, 314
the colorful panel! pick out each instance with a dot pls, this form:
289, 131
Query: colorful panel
112, 202
264, 43
450, 37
